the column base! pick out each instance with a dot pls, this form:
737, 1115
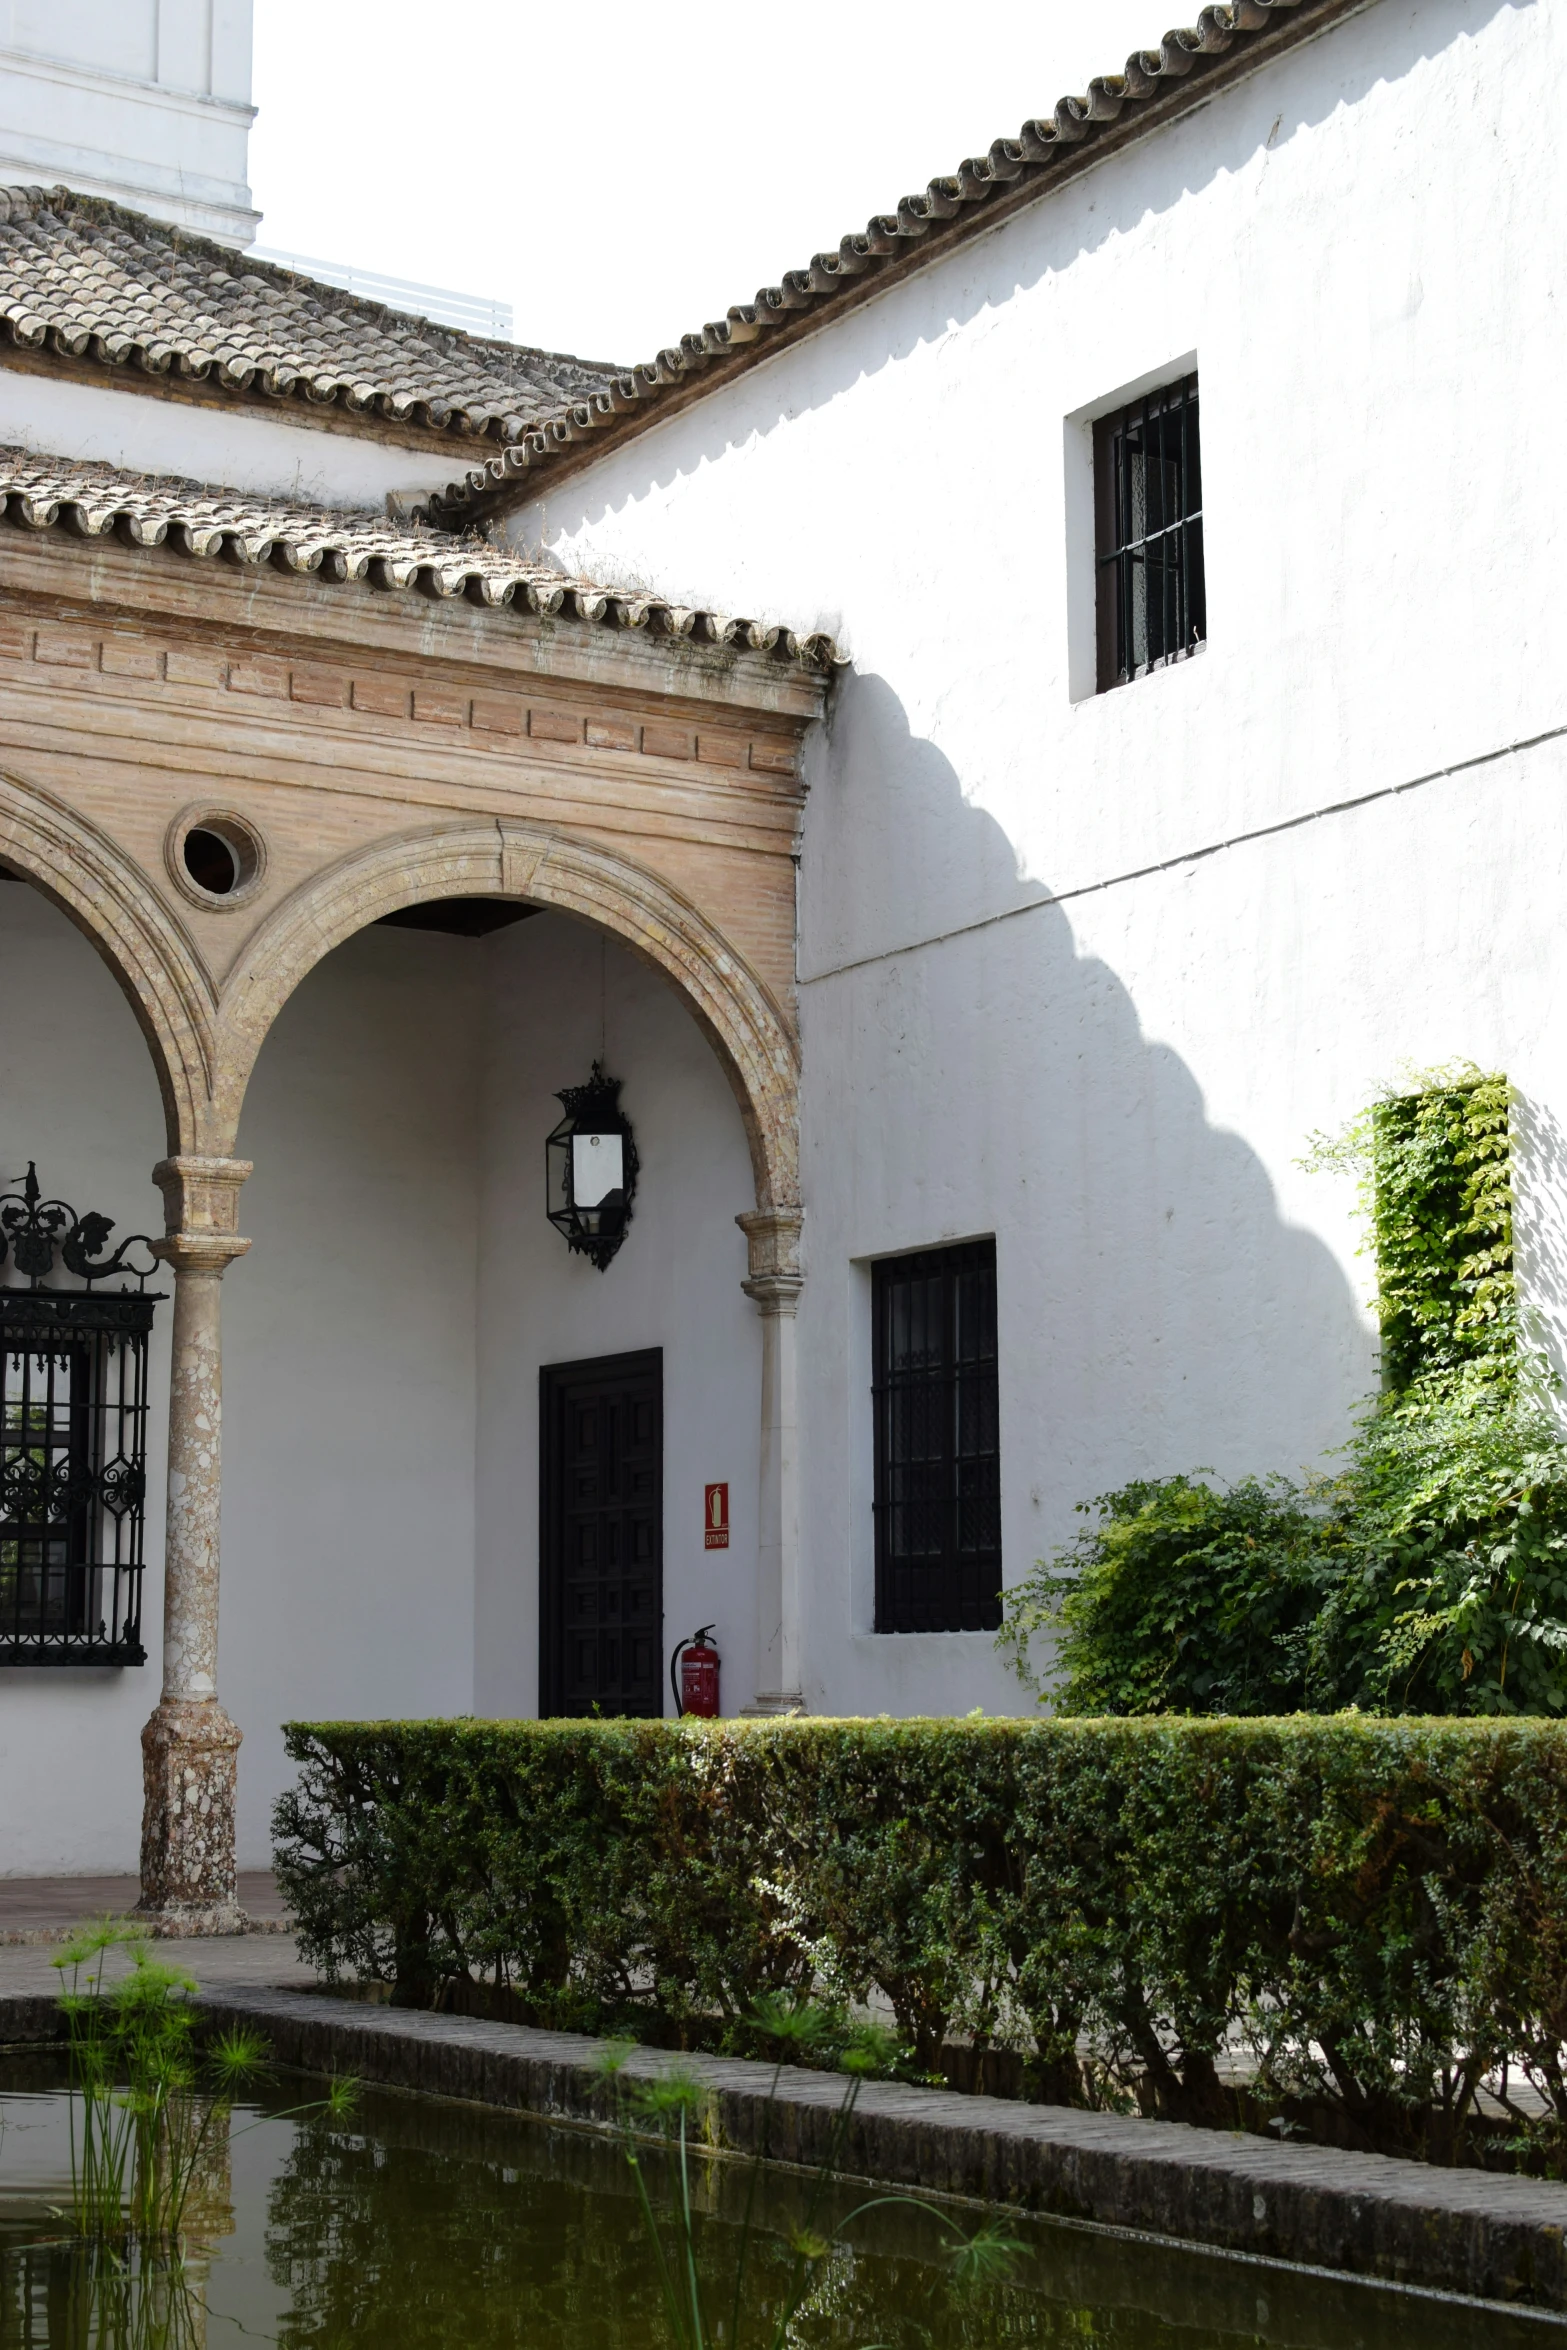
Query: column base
180, 1920
189, 1772
772, 1703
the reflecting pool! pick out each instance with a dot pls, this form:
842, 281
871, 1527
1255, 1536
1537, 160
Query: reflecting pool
421, 2225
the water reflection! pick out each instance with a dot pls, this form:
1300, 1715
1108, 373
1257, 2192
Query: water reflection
423, 2226
401, 2242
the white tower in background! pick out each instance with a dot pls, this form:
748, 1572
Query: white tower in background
146, 101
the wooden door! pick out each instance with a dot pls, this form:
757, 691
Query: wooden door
601, 1544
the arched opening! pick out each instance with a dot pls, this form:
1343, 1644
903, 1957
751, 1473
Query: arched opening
513, 861
385, 1341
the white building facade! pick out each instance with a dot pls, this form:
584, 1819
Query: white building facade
1077, 966
146, 102
1087, 970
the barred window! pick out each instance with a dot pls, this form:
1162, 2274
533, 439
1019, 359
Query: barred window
1152, 605
938, 1465
73, 1445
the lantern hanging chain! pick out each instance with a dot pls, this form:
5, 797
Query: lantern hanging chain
603, 985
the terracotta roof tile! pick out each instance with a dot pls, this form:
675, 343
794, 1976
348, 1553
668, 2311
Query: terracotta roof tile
1153, 85
85, 278
96, 501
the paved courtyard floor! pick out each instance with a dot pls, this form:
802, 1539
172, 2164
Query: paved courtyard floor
37, 1913
39, 1908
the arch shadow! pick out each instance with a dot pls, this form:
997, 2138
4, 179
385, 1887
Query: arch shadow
985, 1048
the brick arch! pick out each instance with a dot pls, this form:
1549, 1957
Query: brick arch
738, 1014
108, 897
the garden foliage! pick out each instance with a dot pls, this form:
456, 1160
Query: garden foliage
1376, 1911
1430, 1574
150, 2127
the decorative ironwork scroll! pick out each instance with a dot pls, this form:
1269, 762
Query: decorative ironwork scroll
33, 1230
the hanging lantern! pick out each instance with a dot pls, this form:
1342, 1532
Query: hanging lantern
590, 1168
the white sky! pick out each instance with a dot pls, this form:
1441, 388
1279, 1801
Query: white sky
620, 172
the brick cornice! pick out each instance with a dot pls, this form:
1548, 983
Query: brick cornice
53, 578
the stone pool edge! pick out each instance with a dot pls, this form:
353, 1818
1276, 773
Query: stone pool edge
1484, 2236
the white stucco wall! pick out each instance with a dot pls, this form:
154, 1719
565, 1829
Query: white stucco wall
1041, 997
675, 1285
1348, 246
349, 1399
244, 449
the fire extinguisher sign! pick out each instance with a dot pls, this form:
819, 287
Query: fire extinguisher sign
716, 1518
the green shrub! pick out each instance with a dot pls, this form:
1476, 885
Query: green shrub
1375, 1909
1430, 1575
1454, 1592
1183, 1598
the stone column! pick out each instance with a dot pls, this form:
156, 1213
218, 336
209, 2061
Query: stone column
775, 1283
189, 1746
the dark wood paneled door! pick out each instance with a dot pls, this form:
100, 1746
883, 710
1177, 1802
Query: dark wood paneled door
601, 1546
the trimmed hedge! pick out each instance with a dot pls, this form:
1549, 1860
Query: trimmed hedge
1376, 1910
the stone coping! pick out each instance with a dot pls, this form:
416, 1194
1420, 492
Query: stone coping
1474, 2233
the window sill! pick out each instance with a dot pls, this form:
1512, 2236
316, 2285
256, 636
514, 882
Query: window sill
30, 1653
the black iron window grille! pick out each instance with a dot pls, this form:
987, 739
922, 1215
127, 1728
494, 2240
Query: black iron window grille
1148, 497
938, 1462
73, 1435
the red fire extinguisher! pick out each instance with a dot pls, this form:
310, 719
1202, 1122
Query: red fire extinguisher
693, 1676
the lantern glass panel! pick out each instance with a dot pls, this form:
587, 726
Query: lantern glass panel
557, 1167
597, 1168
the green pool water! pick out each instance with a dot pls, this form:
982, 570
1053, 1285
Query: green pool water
421, 2225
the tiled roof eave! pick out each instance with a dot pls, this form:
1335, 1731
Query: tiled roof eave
96, 502
1155, 87
87, 284
226, 372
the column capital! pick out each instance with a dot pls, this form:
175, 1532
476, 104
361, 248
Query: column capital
201, 1211
774, 1281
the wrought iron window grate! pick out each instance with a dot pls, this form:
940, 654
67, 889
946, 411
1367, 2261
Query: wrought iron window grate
938, 1463
73, 1439
1152, 604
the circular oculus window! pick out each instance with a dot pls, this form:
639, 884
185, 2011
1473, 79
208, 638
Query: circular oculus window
216, 857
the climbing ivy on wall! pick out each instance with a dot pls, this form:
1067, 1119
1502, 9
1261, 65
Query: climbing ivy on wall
1435, 1161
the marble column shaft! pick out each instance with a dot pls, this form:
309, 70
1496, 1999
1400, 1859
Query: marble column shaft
190, 1746
774, 1285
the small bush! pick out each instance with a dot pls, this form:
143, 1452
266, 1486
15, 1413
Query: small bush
1375, 1910
1182, 1598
